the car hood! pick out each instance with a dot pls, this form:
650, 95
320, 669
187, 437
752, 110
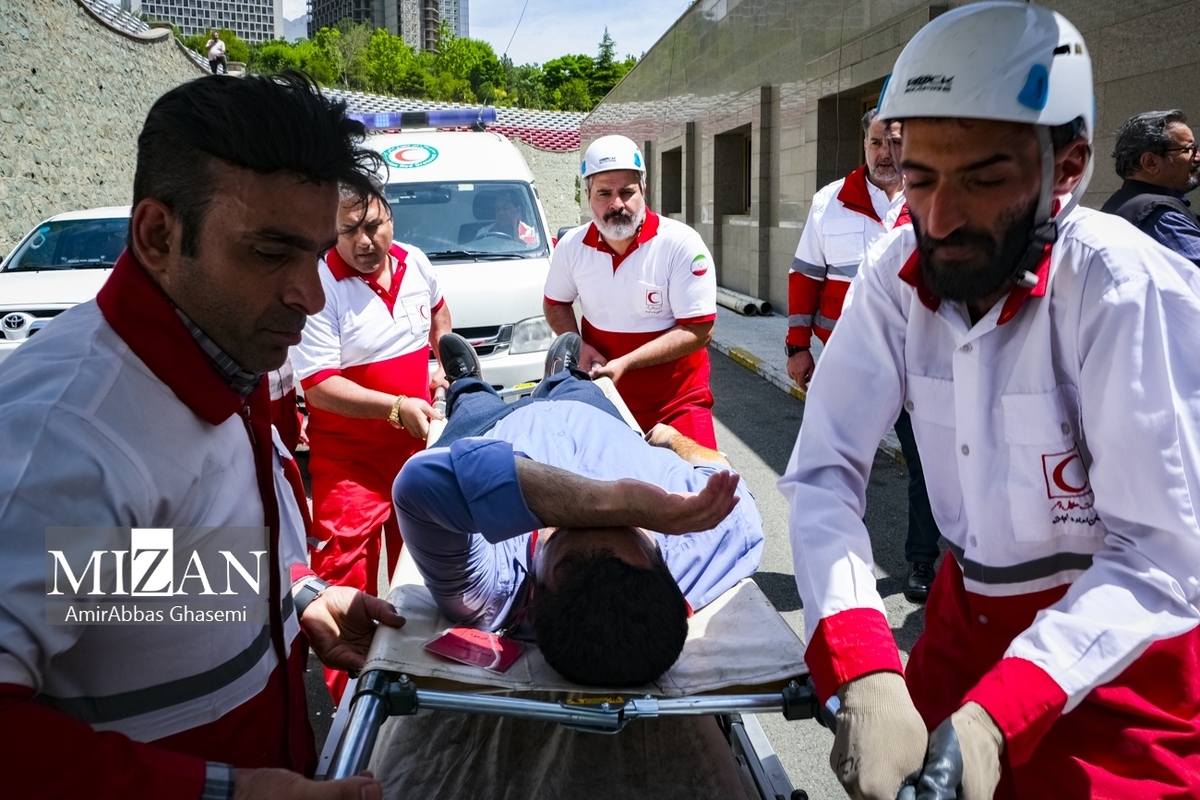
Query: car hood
61, 288
486, 293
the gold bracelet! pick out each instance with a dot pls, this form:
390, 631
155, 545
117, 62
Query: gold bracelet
394, 417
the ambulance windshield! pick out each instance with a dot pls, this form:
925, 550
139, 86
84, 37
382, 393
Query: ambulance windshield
485, 220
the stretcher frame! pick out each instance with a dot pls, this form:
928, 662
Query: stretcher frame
378, 694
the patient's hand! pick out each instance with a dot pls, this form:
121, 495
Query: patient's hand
341, 622
681, 512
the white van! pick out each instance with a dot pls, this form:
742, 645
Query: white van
443, 187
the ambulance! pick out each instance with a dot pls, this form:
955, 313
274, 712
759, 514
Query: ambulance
469, 201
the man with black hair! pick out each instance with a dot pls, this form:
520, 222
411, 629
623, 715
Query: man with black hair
148, 408
1156, 154
558, 498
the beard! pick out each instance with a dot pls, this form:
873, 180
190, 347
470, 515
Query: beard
885, 174
620, 224
989, 267
1192, 182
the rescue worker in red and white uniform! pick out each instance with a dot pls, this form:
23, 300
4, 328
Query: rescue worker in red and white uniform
364, 366
148, 408
1046, 354
846, 217
648, 292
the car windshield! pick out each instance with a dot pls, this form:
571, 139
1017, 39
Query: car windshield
71, 244
481, 221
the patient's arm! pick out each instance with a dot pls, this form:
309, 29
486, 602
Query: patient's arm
560, 498
691, 451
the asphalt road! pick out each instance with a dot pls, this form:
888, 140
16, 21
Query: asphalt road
756, 427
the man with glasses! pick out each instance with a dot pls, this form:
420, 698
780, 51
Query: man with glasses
1157, 156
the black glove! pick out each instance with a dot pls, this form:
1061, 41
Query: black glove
946, 774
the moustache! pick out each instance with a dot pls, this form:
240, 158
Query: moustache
285, 320
618, 215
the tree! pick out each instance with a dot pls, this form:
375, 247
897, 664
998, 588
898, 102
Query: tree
353, 41
573, 96
607, 72
273, 56
559, 71
471, 60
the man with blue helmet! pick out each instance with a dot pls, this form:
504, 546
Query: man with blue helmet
1046, 356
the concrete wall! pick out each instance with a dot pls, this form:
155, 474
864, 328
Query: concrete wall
798, 73
73, 95
555, 172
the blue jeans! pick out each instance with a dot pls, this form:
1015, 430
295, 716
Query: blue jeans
921, 546
473, 407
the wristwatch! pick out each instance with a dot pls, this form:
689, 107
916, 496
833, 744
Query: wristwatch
310, 591
793, 349
394, 417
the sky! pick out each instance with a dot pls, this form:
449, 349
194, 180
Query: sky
552, 28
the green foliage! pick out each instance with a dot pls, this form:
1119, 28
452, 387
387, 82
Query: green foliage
359, 56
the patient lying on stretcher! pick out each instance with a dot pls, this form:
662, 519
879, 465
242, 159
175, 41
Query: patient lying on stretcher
551, 519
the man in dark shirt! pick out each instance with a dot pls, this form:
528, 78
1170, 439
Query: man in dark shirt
1157, 156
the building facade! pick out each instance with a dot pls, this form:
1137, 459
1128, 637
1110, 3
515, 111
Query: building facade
455, 14
745, 108
252, 20
415, 21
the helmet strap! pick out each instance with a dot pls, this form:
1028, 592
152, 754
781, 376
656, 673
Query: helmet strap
1045, 227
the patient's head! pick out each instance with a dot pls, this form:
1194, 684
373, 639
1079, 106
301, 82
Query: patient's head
606, 610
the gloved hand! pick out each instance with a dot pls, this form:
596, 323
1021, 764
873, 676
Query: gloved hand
880, 736
963, 762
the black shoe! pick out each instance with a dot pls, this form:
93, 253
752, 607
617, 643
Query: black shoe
458, 358
920, 578
563, 354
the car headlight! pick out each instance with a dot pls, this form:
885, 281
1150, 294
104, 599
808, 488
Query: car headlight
531, 335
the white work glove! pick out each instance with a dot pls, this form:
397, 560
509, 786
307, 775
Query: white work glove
963, 762
880, 738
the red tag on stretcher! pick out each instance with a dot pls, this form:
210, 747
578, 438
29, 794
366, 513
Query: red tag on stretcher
476, 648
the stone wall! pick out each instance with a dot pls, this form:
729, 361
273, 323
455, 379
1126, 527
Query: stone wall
73, 95
556, 173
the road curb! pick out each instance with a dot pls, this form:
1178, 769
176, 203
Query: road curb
889, 446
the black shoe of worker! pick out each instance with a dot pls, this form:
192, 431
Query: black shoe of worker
563, 354
920, 578
458, 358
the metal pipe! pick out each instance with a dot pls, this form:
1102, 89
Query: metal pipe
737, 302
515, 707
720, 704
367, 713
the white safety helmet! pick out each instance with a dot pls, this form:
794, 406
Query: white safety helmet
610, 153
1000, 60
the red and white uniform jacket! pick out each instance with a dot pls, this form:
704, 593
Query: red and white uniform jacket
666, 278
113, 417
1060, 437
376, 338
845, 219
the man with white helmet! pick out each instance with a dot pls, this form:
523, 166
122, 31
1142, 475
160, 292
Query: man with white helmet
648, 293
1045, 355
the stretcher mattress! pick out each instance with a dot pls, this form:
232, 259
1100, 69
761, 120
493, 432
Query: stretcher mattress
738, 643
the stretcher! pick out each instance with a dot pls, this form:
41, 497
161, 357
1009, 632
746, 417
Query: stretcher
741, 658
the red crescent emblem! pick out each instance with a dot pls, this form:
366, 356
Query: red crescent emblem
1061, 482
653, 298
400, 155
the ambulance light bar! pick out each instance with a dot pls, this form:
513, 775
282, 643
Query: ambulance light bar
442, 118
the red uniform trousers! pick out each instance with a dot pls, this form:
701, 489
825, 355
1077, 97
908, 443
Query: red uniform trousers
352, 516
1135, 737
676, 392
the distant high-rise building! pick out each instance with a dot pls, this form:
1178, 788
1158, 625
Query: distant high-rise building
252, 20
415, 21
454, 12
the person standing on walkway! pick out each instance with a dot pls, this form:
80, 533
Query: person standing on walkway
1046, 355
648, 292
216, 54
1157, 156
846, 218
364, 366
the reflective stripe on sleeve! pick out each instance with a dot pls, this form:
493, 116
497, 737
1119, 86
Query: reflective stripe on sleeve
800, 321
